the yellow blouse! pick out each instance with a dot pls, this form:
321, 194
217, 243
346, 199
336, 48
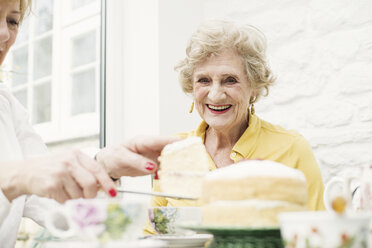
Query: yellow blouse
262, 140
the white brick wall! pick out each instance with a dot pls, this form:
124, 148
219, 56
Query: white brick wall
321, 52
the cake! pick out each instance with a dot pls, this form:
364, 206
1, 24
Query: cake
252, 193
183, 165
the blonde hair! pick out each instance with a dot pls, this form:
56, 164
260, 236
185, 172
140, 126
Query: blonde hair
25, 8
213, 37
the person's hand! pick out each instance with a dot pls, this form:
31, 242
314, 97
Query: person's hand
61, 177
136, 157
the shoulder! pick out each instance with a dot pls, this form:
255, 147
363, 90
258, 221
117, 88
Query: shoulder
4, 96
283, 136
278, 130
8, 103
8, 100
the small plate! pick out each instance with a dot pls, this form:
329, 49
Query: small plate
110, 244
192, 240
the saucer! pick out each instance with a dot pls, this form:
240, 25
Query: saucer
178, 241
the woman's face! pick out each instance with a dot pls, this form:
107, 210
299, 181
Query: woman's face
9, 19
222, 91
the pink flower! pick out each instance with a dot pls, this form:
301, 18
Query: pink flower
89, 217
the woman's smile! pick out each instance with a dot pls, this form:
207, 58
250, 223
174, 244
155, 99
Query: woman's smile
218, 109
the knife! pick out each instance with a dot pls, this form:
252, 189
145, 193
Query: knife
178, 197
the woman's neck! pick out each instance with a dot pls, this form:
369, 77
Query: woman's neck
225, 138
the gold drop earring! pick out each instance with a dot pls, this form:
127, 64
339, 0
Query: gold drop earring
191, 107
252, 109
251, 105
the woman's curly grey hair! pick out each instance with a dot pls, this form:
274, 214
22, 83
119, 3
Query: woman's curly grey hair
213, 37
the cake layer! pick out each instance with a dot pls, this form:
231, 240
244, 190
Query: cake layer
184, 156
252, 213
260, 187
252, 193
183, 166
256, 168
189, 185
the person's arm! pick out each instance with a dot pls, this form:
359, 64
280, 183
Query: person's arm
135, 157
61, 177
307, 163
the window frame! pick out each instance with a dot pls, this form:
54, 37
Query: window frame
67, 24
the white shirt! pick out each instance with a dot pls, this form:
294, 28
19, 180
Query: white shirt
18, 141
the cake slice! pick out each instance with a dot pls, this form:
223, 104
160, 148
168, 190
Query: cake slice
183, 165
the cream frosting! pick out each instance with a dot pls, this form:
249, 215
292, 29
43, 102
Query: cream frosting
186, 173
182, 144
255, 168
262, 204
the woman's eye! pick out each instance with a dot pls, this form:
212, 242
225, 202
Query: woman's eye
231, 80
203, 80
13, 22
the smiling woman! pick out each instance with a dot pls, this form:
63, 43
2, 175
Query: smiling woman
13, 11
226, 72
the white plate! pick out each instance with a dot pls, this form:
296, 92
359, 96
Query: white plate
118, 244
178, 241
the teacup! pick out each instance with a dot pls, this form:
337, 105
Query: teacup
97, 219
340, 187
324, 229
165, 220
358, 197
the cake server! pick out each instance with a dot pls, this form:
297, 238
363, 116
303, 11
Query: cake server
178, 197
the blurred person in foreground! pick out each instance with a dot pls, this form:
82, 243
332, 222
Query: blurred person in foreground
226, 72
24, 173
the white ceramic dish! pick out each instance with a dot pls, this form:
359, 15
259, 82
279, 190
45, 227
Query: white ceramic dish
178, 241
122, 244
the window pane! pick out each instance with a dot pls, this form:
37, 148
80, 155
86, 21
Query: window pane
84, 49
20, 65
43, 58
80, 3
83, 92
21, 95
23, 33
42, 104
44, 16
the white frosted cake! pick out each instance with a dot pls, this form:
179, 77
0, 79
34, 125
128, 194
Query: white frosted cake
183, 165
252, 193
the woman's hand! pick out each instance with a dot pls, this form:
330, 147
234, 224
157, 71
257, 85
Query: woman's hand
136, 157
61, 177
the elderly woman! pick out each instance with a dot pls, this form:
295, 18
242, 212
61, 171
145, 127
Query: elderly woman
226, 72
